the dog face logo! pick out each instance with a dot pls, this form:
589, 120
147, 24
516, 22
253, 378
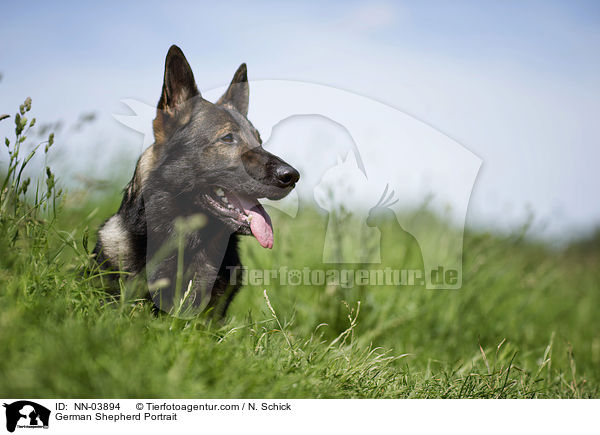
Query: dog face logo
26, 414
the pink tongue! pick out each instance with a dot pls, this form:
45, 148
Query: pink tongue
260, 223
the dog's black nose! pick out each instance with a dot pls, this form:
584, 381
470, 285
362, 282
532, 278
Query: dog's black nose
286, 175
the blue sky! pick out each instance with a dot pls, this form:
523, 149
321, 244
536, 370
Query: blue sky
516, 83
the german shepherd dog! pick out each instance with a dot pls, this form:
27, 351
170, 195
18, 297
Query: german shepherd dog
207, 160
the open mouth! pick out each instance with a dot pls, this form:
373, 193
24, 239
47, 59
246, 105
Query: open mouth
244, 211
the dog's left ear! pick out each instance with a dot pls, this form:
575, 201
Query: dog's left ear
238, 93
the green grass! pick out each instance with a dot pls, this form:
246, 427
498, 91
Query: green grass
526, 322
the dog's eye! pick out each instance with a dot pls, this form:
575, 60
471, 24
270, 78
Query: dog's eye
228, 138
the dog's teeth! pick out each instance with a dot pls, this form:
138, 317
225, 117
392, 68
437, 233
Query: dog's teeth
219, 192
249, 218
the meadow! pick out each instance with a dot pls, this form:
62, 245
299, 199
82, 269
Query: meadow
524, 324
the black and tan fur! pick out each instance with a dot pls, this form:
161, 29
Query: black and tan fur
174, 178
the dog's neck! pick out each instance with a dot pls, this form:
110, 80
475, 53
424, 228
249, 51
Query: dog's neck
161, 209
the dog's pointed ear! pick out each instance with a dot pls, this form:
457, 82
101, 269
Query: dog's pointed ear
238, 93
179, 87
179, 84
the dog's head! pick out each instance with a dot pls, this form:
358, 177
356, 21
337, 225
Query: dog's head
213, 149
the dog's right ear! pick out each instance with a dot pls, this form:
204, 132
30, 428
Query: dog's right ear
179, 84
178, 88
